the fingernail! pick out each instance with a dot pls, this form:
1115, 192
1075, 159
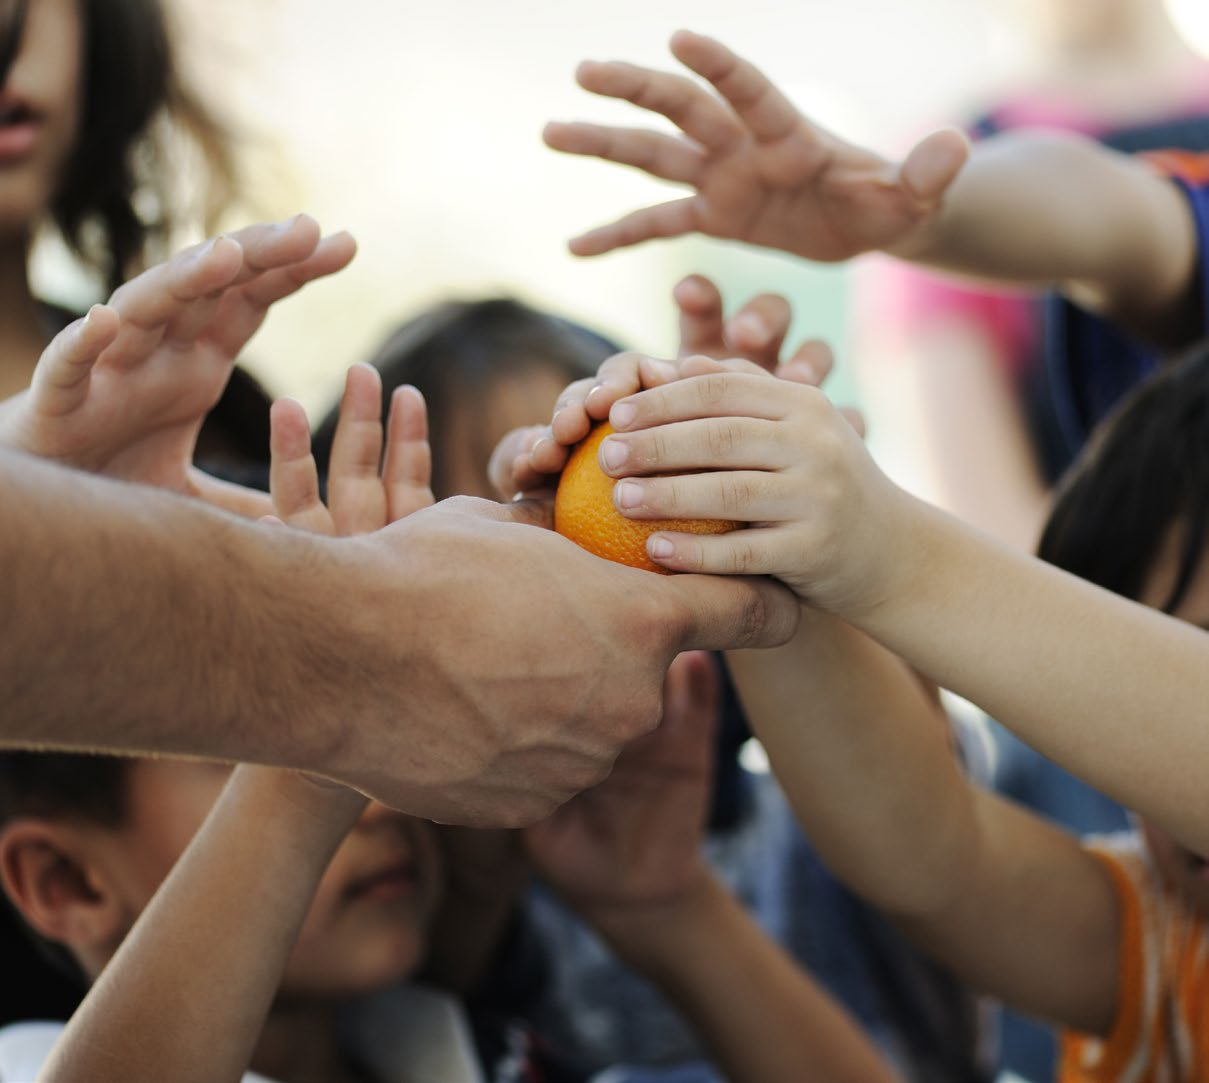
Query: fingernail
659, 548
614, 453
627, 494
622, 415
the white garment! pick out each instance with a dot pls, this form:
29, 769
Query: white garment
404, 1035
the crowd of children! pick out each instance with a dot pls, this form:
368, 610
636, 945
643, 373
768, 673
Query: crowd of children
262, 923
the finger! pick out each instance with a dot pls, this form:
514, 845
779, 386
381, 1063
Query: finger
810, 364
690, 699
743, 496
701, 366
63, 373
243, 310
730, 443
513, 450
722, 394
164, 295
274, 244
571, 421
752, 552
672, 219
293, 477
660, 155
621, 375
354, 482
856, 419
407, 467
765, 112
931, 166
684, 102
700, 306
757, 331
728, 614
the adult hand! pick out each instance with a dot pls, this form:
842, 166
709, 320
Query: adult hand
124, 391
517, 665
759, 170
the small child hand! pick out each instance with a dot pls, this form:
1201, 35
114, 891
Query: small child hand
124, 392
775, 454
634, 840
760, 172
366, 488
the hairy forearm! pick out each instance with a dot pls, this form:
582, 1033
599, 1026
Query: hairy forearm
187, 994
762, 1017
1113, 691
141, 622
1059, 211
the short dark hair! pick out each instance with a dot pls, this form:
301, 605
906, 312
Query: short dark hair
455, 351
130, 80
1145, 470
55, 786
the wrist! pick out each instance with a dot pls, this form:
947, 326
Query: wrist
646, 934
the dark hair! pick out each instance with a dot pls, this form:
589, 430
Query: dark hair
53, 786
456, 351
1145, 470
130, 81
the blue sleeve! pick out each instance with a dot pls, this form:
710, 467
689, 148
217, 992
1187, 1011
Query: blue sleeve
1090, 363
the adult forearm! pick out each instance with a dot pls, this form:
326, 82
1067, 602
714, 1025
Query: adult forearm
1059, 211
141, 622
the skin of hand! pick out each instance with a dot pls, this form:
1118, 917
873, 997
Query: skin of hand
795, 467
527, 459
124, 391
760, 172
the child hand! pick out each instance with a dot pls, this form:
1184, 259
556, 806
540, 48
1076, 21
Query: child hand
633, 841
366, 488
528, 460
759, 170
775, 454
124, 391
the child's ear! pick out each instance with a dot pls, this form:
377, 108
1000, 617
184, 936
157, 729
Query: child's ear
63, 896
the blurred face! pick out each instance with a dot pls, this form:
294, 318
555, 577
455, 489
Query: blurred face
1187, 872
39, 112
368, 923
471, 434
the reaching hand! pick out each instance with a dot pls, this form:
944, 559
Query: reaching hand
124, 391
759, 170
528, 460
732, 445
366, 488
635, 839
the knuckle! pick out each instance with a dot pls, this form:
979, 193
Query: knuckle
711, 388
738, 493
723, 438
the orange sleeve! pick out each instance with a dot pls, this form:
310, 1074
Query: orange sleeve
1186, 165
1085, 1058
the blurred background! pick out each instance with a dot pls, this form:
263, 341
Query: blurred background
416, 126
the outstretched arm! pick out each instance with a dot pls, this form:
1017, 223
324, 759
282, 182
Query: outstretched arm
1031, 209
627, 857
1110, 689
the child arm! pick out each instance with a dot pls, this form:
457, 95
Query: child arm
864, 753
187, 994
626, 856
1112, 690
1031, 209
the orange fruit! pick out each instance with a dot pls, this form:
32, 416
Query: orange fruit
584, 511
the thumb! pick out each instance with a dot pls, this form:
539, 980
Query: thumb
730, 612
930, 167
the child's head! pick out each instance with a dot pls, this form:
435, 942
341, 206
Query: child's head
484, 368
84, 85
1132, 516
86, 840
